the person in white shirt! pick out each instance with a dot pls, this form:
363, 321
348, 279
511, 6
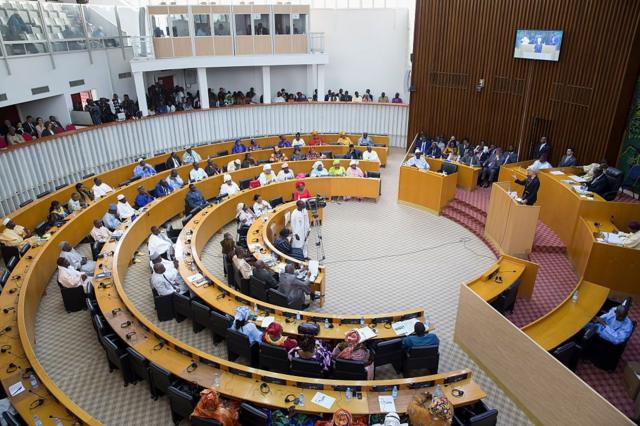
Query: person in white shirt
356, 97
267, 176
69, 277
76, 260
100, 189
125, 211
370, 154
417, 161
99, 232
197, 173
541, 163
234, 165
300, 227
278, 98
244, 215
260, 206
160, 244
285, 173
190, 156
631, 239
168, 264
167, 282
297, 141
228, 187
174, 180
318, 170
74, 204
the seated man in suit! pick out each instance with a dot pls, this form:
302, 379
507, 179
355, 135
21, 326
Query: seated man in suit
421, 337
294, 288
531, 187
434, 151
194, 198
568, 160
491, 168
261, 273
599, 185
613, 326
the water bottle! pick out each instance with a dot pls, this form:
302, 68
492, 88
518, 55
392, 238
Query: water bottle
427, 320
298, 316
362, 321
301, 399
394, 392
216, 380
327, 324
574, 298
33, 380
255, 308
348, 393
57, 422
37, 421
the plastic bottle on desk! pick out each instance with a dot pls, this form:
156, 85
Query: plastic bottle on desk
301, 399
574, 298
347, 393
394, 392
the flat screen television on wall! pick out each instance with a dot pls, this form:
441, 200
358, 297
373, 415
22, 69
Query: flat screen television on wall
541, 45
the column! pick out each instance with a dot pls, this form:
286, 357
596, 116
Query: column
266, 85
311, 80
141, 92
320, 83
203, 87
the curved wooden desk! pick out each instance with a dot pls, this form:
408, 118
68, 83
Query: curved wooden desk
36, 211
426, 189
467, 178
502, 274
236, 380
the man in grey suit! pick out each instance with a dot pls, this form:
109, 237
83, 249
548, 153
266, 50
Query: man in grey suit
261, 273
293, 287
568, 160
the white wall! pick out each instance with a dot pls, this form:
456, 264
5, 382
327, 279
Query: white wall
101, 75
46, 107
368, 49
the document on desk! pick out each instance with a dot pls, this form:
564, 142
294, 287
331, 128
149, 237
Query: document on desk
197, 280
323, 400
556, 172
266, 321
386, 404
287, 219
577, 178
404, 328
366, 333
16, 388
611, 238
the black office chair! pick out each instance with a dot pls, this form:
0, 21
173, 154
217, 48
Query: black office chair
8, 253
241, 239
250, 415
91, 293
118, 358
238, 345
201, 316
373, 175
222, 153
182, 307
276, 201
181, 402
11, 264
258, 289
327, 154
163, 306
615, 177
139, 365
43, 194
421, 358
448, 167
244, 183
568, 354
344, 369
62, 185
24, 249
203, 421
42, 228
88, 176
604, 354
73, 298
276, 298
96, 248
102, 328
476, 415
306, 368
274, 358
160, 380
12, 419
389, 352
220, 323
506, 302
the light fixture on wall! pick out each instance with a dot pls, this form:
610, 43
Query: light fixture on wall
480, 85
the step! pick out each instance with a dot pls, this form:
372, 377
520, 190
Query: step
468, 209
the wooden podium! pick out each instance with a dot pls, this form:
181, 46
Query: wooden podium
510, 226
426, 189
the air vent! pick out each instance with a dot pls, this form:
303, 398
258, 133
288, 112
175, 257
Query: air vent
450, 80
75, 83
124, 75
39, 90
3, 97
571, 94
509, 86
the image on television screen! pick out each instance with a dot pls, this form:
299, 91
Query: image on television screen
543, 45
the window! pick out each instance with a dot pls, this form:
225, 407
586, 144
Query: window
283, 23
63, 22
261, 24
160, 24
179, 25
299, 23
23, 27
222, 25
101, 26
202, 25
243, 24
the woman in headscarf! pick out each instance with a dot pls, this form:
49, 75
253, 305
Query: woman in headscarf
336, 169
353, 350
277, 155
318, 170
253, 145
241, 324
56, 213
315, 139
343, 418
301, 191
244, 215
313, 154
211, 406
273, 336
312, 349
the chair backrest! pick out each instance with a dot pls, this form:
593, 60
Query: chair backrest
12, 263
182, 304
237, 342
182, 403
276, 201
113, 352
488, 418
373, 175
274, 358
201, 313
244, 183
9, 252
42, 194
139, 364
258, 289
73, 298
5, 277
161, 379
222, 153
388, 351
203, 421
422, 357
27, 202
344, 369
24, 249
567, 354
327, 154
220, 323
250, 415
306, 368
277, 298
42, 228
59, 187
449, 168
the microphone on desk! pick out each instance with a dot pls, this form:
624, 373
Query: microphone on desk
612, 218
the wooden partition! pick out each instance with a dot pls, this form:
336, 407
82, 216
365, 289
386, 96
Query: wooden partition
510, 225
467, 175
428, 190
549, 392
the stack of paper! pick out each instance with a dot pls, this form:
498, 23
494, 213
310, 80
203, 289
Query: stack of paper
404, 328
386, 404
323, 400
556, 172
611, 238
197, 280
366, 333
577, 178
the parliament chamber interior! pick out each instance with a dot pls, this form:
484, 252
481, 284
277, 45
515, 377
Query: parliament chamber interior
319, 212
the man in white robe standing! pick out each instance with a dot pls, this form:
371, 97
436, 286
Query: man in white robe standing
300, 227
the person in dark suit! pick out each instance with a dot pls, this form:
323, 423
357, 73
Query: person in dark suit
261, 273
542, 148
173, 161
510, 156
423, 143
568, 160
599, 185
491, 167
531, 187
434, 151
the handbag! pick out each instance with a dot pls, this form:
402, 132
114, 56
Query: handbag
309, 328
